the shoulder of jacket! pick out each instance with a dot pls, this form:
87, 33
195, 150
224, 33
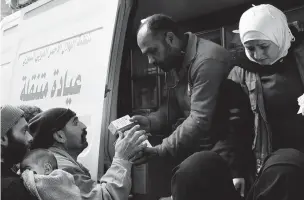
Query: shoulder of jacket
210, 50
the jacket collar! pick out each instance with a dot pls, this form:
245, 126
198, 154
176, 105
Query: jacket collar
191, 49
69, 157
63, 153
190, 55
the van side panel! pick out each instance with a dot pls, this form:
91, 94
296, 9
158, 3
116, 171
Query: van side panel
60, 59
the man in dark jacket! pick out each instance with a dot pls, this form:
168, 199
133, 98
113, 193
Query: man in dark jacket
200, 67
15, 140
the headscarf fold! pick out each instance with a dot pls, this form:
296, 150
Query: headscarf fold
266, 22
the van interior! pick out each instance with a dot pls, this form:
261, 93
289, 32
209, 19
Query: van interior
142, 87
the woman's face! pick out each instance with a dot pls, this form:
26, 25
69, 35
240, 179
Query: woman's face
264, 52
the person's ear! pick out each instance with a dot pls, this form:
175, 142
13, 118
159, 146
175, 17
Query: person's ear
4, 141
60, 137
47, 168
169, 37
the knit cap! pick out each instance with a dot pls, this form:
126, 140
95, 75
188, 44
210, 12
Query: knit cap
46, 123
10, 115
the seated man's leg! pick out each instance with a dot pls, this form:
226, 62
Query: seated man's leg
281, 178
204, 175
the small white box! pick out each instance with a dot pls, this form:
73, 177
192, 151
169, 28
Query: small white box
122, 124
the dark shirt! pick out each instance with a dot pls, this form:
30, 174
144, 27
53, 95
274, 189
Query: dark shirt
12, 187
281, 84
231, 129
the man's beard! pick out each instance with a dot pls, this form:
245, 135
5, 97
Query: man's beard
14, 152
84, 138
173, 60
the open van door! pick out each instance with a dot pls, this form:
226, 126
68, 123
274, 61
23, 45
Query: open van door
61, 53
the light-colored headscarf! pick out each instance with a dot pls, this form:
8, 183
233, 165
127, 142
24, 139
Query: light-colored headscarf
266, 22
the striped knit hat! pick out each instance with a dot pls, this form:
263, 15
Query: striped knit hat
10, 115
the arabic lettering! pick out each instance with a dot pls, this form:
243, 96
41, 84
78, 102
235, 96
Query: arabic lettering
29, 93
59, 91
59, 48
53, 89
74, 86
33, 91
68, 101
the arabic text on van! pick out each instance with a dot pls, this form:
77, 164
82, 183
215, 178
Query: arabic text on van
55, 49
62, 86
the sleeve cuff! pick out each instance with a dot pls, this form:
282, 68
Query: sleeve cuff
124, 163
161, 151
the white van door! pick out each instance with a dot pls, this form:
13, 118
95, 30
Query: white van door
56, 53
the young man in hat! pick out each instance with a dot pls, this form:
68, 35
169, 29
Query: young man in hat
15, 142
60, 131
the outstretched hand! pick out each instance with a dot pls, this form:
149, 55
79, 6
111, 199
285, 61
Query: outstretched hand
130, 143
144, 156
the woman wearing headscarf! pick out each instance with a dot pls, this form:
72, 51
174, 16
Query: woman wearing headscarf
272, 74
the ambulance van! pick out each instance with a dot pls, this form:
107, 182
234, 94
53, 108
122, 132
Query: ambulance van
82, 55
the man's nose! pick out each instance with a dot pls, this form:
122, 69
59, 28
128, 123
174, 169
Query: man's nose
83, 126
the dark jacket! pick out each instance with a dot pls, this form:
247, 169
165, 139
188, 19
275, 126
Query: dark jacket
12, 187
250, 81
232, 130
195, 96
